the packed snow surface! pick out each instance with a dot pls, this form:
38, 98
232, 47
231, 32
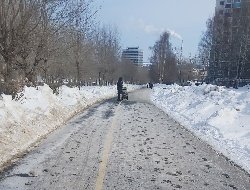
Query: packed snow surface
218, 115
37, 111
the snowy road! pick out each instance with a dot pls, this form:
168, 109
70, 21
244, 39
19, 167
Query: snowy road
131, 145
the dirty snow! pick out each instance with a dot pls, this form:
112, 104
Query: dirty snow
37, 112
218, 115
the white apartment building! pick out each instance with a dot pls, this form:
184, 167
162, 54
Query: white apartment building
133, 54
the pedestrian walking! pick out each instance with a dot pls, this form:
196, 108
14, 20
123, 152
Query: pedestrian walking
119, 88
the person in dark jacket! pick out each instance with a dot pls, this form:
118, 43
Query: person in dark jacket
119, 88
151, 85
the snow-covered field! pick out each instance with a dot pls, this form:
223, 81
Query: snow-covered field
37, 112
218, 115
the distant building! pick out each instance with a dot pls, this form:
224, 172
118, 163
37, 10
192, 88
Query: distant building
133, 54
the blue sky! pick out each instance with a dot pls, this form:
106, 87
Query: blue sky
140, 22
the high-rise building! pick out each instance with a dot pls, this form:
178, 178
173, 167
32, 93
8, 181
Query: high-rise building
226, 4
230, 12
230, 52
227, 7
224, 55
133, 54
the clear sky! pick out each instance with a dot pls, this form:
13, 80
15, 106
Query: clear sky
140, 22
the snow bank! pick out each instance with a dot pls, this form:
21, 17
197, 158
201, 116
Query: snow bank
218, 115
37, 111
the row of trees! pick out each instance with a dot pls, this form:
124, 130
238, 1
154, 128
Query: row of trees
59, 41
224, 47
224, 51
168, 65
55, 41
164, 62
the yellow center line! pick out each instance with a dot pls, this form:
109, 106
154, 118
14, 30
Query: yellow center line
106, 151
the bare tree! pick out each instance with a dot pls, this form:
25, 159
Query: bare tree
19, 20
186, 72
242, 41
81, 28
31, 31
107, 53
164, 60
205, 44
142, 76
